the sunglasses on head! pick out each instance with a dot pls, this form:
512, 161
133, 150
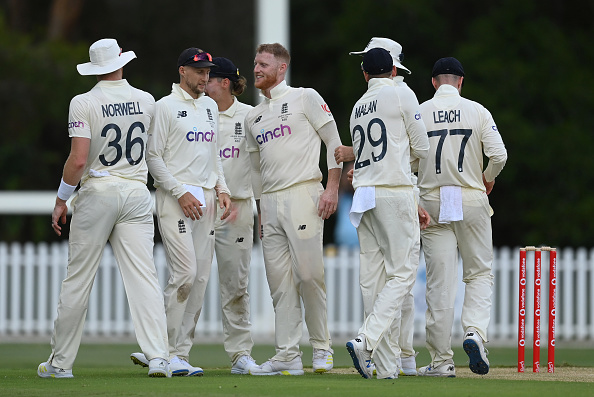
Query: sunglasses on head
201, 56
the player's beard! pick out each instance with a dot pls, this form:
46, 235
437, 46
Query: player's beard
196, 88
266, 81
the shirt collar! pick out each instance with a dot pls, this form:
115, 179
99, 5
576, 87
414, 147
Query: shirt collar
177, 90
230, 112
447, 90
379, 82
278, 90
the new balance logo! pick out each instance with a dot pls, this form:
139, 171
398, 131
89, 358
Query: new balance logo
181, 113
181, 226
239, 240
301, 227
211, 233
451, 368
258, 119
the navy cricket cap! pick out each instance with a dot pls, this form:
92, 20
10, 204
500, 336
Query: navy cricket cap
447, 65
195, 57
225, 68
377, 61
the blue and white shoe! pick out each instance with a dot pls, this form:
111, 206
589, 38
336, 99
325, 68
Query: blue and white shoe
181, 367
357, 348
477, 354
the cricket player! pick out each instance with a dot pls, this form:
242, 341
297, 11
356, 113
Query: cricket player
183, 158
108, 128
407, 363
387, 130
284, 135
454, 189
234, 236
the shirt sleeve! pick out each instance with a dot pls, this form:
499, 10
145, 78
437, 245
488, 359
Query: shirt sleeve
493, 147
78, 118
329, 134
415, 127
315, 108
157, 141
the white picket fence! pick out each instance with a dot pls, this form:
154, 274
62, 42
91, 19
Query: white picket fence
31, 275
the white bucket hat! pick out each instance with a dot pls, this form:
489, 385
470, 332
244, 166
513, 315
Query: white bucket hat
106, 57
389, 45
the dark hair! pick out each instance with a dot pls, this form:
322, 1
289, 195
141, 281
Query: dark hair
277, 50
238, 86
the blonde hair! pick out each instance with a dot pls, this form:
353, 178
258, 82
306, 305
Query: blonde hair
277, 50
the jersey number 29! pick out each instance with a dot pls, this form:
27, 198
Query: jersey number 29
383, 141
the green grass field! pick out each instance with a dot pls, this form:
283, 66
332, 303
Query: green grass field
106, 370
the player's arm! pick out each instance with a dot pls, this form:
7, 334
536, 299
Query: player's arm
494, 149
329, 199
415, 127
73, 170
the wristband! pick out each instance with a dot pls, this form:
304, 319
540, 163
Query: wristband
65, 190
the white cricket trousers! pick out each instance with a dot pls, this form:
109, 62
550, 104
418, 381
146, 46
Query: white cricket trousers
118, 210
189, 247
234, 238
471, 237
388, 235
293, 256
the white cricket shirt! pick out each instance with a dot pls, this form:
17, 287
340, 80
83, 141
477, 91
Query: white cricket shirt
233, 150
459, 130
116, 117
386, 129
284, 130
182, 142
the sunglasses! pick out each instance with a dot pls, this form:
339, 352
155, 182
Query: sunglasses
201, 56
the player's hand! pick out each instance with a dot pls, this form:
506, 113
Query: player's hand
350, 175
328, 203
344, 153
424, 218
488, 185
190, 205
59, 215
225, 202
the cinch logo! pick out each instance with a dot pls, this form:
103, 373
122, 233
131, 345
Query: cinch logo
76, 124
209, 114
229, 153
195, 136
284, 108
238, 129
181, 113
265, 136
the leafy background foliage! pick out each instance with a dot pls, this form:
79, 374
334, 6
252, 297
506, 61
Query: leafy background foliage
528, 62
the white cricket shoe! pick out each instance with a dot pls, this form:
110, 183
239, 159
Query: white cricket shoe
409, 366
139, 359
473, 346
159, 368
357, 348
180, 367
275, 367
243, 365
322, 360
46, 370
444, 370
